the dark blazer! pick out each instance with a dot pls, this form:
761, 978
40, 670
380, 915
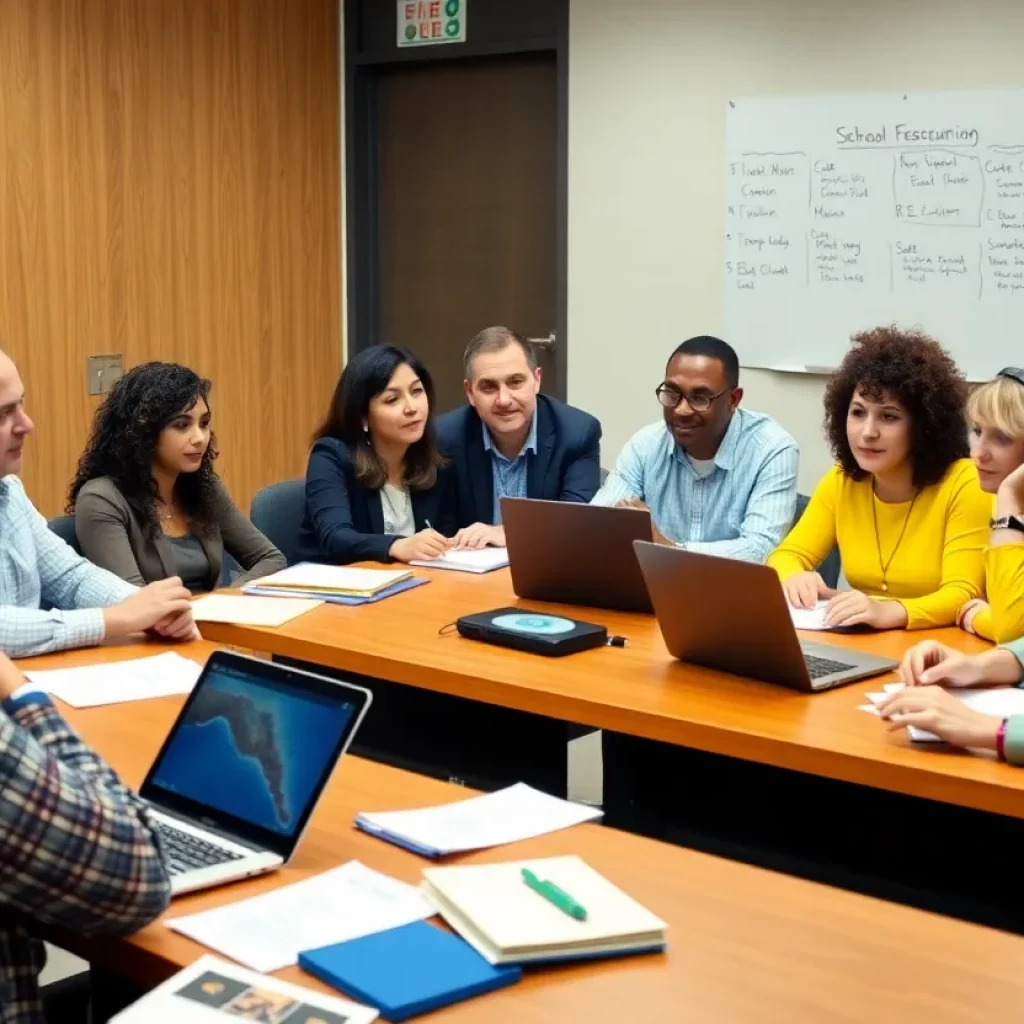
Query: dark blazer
112, 535
566, 467
344, 519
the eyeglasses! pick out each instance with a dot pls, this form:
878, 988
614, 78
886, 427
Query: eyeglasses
671, 396
1013, 372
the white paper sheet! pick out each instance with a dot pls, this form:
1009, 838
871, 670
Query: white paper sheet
89, 686
507, 816
1002, 702
810, 618
268, 932
186, 999
250, 611
484, 560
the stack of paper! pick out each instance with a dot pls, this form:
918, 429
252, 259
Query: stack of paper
117, 682
508, 816
507, 921
211, 990
268, 932
1000, 701
249, 611
483, 560
308, 577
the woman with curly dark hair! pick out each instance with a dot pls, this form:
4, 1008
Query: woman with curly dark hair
146, 500
903, 502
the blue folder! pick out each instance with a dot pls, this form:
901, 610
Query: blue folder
395, 588
407, 971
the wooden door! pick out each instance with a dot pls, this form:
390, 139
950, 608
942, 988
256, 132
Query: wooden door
466, 193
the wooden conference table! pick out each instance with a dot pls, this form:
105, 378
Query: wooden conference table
639, 690
746, 945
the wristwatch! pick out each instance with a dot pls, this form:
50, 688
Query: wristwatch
1007, 523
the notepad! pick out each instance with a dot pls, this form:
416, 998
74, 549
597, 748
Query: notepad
332, 579
507, 816
250, 611
407, 971
117, 682
212, 990
267, 932
468, 560
347, 599
494, 910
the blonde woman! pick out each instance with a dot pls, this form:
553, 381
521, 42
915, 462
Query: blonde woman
996, 414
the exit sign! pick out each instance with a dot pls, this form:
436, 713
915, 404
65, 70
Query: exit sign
428, 22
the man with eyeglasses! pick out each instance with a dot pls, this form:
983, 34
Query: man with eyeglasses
716, 478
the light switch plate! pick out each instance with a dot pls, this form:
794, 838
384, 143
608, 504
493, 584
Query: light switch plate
103, 372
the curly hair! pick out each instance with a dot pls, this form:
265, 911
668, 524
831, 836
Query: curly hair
917, 371
125, 435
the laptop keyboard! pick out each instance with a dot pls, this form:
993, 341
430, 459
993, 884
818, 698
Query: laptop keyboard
186, 852
821, 667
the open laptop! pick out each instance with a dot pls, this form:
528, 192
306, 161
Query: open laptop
733, 616
576, 554
237, 778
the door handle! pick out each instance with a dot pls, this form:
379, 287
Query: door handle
547, 344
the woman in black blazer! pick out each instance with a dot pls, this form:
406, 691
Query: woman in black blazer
376, 487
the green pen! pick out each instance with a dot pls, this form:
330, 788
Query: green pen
558, 897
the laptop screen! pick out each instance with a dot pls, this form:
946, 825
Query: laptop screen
255, 747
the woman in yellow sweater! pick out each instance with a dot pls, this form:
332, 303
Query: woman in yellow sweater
996, 414
903, 502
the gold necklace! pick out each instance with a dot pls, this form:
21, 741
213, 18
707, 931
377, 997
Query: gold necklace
878, 540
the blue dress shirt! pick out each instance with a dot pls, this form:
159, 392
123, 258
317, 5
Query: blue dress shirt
742, 509
509, 475
37, 567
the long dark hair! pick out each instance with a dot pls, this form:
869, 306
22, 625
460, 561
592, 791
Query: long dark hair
124, 438
365, 376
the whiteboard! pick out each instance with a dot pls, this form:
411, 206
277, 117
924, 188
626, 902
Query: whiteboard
846, 212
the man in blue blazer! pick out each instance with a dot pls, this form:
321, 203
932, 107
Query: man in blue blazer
511, 441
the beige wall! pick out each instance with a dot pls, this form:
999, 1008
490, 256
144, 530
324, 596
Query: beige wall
648, 83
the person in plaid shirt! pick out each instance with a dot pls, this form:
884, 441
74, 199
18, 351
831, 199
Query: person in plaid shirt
88, 604
76, 850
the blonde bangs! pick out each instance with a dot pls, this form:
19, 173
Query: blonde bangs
999, 405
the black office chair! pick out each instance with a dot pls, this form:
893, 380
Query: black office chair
64, 527
277, 512
832, 567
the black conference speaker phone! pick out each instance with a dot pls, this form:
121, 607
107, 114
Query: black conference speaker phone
535, 632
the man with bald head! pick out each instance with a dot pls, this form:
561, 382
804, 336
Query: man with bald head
39, 571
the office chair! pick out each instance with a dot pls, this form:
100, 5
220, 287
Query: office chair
830, 569
277, 512
64, 527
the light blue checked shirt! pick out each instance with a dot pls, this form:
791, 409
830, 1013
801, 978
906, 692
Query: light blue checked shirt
36, 566
509, 476
741, 509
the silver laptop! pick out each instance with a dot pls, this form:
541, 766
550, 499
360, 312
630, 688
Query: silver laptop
235, 783
576, 554
733, 616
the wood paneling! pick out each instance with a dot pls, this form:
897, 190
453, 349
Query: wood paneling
169, 189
